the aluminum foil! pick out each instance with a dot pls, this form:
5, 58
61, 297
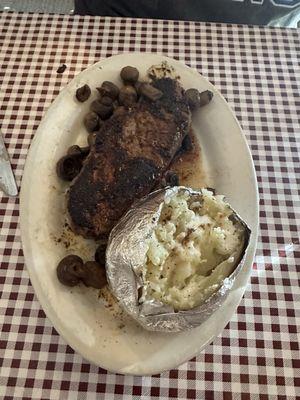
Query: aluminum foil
126, 257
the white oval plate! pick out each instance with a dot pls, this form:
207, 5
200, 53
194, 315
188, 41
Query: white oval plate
101, 333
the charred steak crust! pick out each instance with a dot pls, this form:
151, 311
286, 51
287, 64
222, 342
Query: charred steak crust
132, 151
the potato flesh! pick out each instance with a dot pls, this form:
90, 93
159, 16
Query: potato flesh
194, 246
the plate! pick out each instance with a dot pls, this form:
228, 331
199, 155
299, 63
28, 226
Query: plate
91, 323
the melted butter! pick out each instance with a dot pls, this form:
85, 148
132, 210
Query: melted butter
189, 166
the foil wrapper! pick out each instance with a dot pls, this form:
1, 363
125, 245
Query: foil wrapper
126, 258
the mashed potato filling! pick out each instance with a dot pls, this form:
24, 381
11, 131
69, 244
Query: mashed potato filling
193, 248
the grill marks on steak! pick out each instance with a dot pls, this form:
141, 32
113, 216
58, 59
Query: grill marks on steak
132, 151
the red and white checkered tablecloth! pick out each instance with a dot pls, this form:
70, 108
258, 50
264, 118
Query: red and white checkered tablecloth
257, 69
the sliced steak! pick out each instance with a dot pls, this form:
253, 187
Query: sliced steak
132, 151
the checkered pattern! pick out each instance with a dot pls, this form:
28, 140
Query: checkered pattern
257, 355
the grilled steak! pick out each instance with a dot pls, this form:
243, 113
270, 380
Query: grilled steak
132, 151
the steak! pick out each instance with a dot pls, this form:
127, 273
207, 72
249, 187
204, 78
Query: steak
131, 154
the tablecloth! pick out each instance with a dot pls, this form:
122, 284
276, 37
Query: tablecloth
257, 70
